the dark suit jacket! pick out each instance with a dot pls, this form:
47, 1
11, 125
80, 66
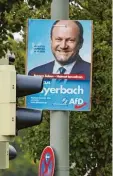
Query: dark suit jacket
80, 67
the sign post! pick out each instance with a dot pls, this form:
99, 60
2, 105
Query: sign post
59, 120
67, 77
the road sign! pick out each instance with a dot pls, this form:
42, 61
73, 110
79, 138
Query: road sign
47, 162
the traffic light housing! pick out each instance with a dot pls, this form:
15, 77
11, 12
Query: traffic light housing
12, 152
7, 111
13, 118
27, 85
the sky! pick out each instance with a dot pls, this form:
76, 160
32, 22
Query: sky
18, 36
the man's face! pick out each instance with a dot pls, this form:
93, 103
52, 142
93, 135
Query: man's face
65, 41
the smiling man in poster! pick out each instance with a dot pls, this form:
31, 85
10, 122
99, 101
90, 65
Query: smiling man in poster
67, 75
66, 41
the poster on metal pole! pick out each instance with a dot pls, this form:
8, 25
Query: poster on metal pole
61, 52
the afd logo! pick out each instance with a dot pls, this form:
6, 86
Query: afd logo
78, 102
62, 90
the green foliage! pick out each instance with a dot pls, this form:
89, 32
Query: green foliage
107, 170
5, 31
90, 144
13, 18
38, 138
39, 3
23, 164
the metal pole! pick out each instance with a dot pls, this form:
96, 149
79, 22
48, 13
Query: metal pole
59, 120
60, 9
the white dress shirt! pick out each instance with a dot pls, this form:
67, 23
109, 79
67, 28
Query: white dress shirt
67, 67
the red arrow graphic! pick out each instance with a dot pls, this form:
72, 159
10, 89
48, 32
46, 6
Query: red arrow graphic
80, 106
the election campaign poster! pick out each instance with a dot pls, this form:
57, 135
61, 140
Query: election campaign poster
61, 52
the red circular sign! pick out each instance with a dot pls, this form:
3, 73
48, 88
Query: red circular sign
47, 162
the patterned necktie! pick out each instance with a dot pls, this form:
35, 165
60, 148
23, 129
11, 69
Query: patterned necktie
62, 70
